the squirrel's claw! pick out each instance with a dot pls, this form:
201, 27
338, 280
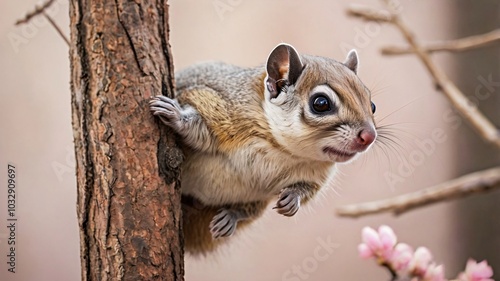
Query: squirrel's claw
224, 223
167, 109
288, 203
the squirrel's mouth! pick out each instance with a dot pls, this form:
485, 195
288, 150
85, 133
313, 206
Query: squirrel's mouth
338, 155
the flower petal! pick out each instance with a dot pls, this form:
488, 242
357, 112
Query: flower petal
421, 260
371, 239
401, 257
364, 251
387, 237
434, 273
475, 271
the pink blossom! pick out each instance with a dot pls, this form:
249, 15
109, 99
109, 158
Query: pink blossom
475, 271
401, 257
364, 251
434, 273
415, 266
371, 239
379, 244
421, 260
388, 240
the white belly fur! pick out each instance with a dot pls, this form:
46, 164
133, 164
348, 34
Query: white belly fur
254, 173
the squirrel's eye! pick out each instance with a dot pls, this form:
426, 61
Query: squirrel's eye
321, 104
374, 108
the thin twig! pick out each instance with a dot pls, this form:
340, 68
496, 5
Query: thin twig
369, 14
471, 113
37, 11
41, 11
56, 28
459, 45
477, 182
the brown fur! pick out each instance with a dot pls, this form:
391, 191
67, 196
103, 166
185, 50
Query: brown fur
196, 220
212, 107
247, 148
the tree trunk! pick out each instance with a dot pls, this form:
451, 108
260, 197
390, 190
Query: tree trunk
128, 195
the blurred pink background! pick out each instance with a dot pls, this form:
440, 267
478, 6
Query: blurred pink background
36, 135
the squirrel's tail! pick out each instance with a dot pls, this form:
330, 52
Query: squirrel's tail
197, 237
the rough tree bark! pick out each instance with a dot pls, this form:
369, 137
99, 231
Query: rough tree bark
128, 195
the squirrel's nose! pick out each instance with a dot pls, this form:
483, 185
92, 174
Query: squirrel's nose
366, 136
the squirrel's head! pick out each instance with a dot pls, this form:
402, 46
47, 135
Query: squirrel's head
318, 108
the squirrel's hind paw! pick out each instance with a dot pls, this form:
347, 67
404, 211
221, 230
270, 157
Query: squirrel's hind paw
224, 223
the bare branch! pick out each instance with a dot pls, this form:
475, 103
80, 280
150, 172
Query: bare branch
459, 45
477, 182
368, 13
52, 22
41, 11
37, 11
469, 112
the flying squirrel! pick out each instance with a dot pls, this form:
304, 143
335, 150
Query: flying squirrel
252, 136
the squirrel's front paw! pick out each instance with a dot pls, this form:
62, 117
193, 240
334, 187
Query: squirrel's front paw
167, 109
288, 203
224, 223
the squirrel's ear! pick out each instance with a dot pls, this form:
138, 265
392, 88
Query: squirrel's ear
352, 60
283, 67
